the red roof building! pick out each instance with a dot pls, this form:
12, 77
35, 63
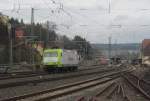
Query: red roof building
146, 47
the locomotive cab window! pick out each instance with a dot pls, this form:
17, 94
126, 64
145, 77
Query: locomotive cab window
51, 54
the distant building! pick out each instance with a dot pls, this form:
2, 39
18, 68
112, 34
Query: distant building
19, 33
146, 52
146, 47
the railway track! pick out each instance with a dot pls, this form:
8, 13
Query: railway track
133, 89
139, 84
124, 95
112, 91
69, 88
39, 79
31, 74
21, 75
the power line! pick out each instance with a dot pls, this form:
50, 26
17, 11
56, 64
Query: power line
85, 17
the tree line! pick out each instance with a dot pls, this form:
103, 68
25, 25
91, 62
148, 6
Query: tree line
44, 34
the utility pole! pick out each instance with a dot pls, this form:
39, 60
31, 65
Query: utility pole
116, 47
32, 21
40, 34
109, 47
86, 49
109, 8
11, 33
47, 38
32, 34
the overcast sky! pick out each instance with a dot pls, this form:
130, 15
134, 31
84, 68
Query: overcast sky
126, 21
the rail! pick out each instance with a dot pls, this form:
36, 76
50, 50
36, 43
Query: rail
67, 89
138, 84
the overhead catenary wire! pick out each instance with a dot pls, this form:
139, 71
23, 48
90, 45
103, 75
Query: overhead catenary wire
70, 13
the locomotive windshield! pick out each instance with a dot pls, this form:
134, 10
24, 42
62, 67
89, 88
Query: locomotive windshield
51, 54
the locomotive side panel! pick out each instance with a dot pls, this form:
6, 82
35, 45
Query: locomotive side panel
70, 58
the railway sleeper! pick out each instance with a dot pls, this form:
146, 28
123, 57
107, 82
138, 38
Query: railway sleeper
71, 90
111, 92
105, 89
137, 87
